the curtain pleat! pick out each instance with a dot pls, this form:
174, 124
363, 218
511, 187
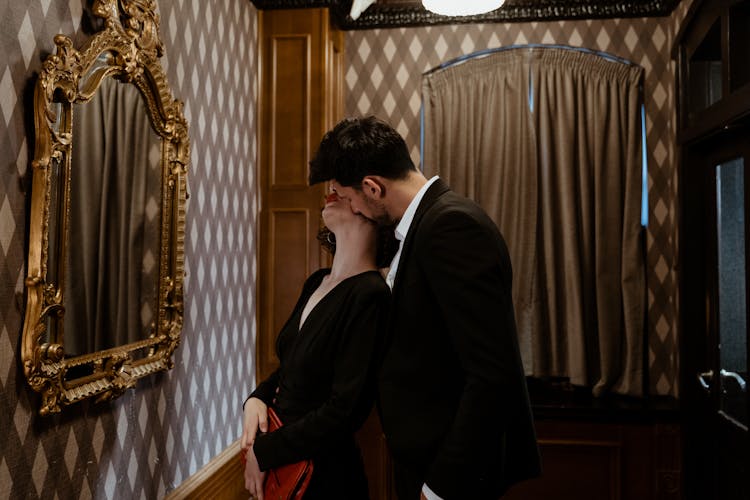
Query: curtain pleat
548, 141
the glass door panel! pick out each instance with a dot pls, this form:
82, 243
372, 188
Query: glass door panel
731, 372
730, 214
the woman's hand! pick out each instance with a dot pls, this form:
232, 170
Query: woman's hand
253, 476
255, 417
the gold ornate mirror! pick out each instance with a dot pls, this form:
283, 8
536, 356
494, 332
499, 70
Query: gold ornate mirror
106, 236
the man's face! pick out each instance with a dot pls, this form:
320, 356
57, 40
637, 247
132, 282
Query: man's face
364, 202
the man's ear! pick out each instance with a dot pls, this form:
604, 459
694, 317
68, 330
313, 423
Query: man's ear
373, 186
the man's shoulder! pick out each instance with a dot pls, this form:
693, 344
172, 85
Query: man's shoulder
453, 213
451, 205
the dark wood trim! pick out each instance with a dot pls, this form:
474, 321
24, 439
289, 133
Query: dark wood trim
687, 27
565, 402
607, 461
705, 21
729, 113
395, 16
222, 478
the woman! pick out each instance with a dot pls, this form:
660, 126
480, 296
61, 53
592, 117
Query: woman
324, 387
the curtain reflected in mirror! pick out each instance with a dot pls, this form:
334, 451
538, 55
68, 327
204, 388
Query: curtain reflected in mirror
111, 271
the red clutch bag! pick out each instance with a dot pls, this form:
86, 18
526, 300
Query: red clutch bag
287, 482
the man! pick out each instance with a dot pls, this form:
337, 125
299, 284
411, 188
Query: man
452, 394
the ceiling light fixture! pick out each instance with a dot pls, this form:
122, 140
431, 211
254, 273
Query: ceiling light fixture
358, 7
461, 7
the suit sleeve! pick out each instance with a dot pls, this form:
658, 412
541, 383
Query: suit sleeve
266, 390
352, 393
468, 269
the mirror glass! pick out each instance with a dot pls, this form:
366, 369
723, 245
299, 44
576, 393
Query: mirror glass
111, 271
107, 219
53, 332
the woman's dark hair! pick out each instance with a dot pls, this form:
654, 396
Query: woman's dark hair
357, 147
387, 244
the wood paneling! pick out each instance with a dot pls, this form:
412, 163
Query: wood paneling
604, 461
335, 68
290, 242
220, 479
300, 98
568, 462
377, 461
290, 101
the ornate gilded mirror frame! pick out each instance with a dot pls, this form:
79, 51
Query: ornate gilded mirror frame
127, 49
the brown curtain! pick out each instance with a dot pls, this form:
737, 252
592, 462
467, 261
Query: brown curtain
115, 191
478, 135
548, 141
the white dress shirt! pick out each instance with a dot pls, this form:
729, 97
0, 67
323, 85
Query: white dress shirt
402, 229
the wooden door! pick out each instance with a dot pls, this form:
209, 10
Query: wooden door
714, 310
296, 108
301, 97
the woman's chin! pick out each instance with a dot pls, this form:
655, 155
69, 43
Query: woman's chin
331, 222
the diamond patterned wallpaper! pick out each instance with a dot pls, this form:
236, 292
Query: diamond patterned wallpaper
383, 77
150, 440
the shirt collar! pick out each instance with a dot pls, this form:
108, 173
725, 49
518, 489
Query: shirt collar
402, 229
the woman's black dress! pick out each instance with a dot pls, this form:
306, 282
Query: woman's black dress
325, 386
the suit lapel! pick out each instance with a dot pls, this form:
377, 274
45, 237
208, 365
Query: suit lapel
433, 193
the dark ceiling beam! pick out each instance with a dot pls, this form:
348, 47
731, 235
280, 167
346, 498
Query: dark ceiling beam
400, 15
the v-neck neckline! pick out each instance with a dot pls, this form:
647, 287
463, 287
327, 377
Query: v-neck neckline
301, 324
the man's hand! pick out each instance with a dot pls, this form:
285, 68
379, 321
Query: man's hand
253, 476
255, 417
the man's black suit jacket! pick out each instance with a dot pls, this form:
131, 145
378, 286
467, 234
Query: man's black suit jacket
453, 398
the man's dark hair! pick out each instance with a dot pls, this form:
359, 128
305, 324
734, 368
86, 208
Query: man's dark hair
357, 147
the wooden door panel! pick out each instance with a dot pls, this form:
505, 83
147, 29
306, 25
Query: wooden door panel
584, 460
288, 237
292, 103
575, 470
290, 100
371, 441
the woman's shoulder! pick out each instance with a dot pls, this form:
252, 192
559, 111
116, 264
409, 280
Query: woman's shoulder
313, 281
318, 275
369, 283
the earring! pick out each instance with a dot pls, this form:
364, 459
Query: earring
331, 238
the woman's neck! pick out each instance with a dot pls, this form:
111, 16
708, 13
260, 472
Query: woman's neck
355, 253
